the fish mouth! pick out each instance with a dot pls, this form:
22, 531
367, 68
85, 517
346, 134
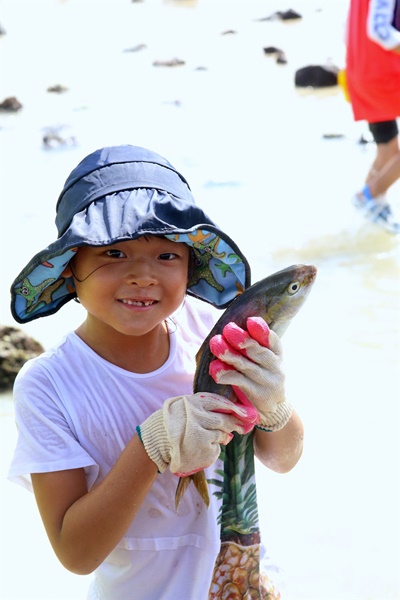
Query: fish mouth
313, 271
305, 274
309, 271
304, 277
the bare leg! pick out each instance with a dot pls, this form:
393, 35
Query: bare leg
385, 169
384, 154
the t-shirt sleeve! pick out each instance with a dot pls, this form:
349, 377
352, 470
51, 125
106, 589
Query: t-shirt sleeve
45, 442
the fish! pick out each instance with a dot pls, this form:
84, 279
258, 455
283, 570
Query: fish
277, 299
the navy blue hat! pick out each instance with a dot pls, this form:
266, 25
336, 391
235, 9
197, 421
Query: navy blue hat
121, 193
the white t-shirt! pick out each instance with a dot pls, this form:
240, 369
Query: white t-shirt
76, 410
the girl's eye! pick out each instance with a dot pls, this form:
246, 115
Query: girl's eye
167, 256
114, 253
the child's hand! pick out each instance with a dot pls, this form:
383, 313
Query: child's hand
250, 361
187, 431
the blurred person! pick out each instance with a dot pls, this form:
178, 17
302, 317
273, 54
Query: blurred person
373, 83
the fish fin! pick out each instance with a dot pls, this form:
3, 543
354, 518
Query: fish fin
181, 489
201, 485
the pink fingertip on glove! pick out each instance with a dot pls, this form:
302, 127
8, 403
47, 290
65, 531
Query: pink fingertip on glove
235, 335
219, 346
259, 330
217, 366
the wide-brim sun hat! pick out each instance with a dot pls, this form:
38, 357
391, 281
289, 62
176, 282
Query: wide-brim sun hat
120, 193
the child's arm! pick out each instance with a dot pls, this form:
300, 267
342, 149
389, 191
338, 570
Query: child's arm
84, 527
280, 450
185, 434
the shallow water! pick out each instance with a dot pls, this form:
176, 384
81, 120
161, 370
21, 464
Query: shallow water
253, 151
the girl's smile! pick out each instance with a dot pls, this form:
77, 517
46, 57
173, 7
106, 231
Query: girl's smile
140, 303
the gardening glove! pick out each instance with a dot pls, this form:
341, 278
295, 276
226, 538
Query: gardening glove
250, 361
187, 431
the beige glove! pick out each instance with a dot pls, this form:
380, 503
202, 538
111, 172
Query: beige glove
187, 431
251, 362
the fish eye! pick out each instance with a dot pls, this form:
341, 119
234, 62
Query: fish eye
293, 288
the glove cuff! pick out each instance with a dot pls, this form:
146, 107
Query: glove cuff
276, 420
154, 437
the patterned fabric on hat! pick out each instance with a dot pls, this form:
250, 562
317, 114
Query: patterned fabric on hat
217, 266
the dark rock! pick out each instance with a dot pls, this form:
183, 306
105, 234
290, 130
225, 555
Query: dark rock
57, 89
271, 50
333, 136
286, 15
316, 76
280, 56
174, 62
10, 104
16, 348
229, 32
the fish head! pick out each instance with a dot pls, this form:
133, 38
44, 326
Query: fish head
284, 295
277, 299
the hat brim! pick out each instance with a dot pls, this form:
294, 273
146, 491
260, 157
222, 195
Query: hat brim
220, 270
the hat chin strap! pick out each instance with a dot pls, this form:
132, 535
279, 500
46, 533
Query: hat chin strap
87, 276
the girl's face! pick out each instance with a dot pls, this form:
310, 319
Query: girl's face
131, 286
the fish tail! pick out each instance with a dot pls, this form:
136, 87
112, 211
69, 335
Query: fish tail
201, 485
181, 489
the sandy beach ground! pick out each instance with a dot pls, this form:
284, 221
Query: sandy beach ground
254, 151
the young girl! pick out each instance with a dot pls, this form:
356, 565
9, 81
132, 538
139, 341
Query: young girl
107, 418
